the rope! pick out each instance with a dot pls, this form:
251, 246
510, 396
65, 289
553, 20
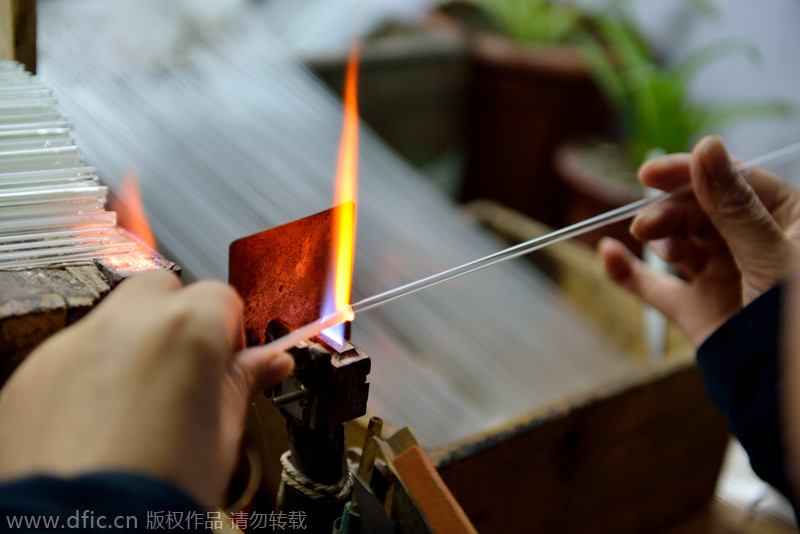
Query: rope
297, 480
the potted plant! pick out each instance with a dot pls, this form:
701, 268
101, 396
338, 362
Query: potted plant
654, 113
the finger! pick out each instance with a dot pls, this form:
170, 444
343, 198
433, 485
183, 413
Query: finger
780, 198
738, 214
149, 282
662, 291
218, 309
674, 170
260, 369
667, 172
144, 291
241, 335
685, 254
672, 216
680, 219
670, 249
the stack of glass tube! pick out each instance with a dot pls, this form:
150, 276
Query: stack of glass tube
52, 206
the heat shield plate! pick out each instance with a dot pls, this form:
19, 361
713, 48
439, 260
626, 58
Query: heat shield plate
280, 273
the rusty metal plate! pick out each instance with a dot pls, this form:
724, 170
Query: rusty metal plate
280, 273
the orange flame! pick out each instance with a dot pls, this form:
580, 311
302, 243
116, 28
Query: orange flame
344, 220
131, 217
130, 210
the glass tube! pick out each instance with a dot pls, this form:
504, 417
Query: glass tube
81, 220
620, 214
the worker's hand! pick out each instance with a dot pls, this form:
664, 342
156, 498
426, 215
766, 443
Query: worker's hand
152, 381
732, 238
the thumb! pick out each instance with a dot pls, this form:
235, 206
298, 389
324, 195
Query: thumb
734, 208
259, 369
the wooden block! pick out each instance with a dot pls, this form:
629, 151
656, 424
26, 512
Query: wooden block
434, 500
36, 303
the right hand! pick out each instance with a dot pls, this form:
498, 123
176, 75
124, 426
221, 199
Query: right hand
734, 238
155, 380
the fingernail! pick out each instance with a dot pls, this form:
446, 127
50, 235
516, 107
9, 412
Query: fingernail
633, 225
715, 158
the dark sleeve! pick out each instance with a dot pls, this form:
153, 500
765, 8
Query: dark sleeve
739, 364
98, 502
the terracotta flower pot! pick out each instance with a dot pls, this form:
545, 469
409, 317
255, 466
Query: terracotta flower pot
593, 187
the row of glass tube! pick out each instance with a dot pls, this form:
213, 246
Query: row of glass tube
52, 206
